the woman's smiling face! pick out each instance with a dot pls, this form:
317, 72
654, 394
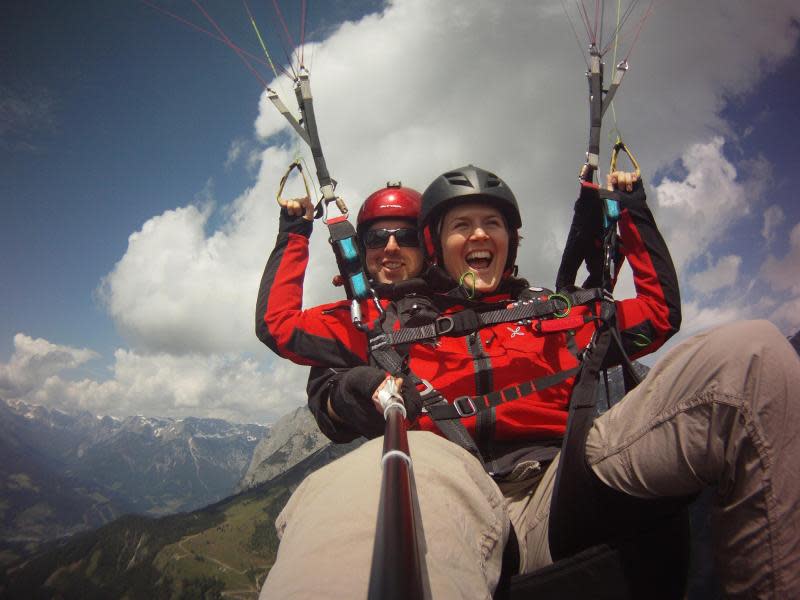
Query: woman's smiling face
475, 239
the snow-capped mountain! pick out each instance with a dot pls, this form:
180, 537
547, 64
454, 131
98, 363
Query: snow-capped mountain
61, 473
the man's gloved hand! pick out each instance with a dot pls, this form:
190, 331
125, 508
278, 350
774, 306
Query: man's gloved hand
352, 400
411, 399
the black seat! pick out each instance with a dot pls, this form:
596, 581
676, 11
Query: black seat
652, 564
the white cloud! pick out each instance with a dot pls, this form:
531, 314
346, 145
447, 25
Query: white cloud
223, 386
182, 289
784, 273
34, 360
423, 87
237, 148
773, 217
721, 274
698, 210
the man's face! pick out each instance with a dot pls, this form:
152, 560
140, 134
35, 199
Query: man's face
391, 259
475, 240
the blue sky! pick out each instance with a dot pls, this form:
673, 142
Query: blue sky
129, 114
139, 165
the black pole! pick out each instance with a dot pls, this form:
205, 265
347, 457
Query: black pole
396, 566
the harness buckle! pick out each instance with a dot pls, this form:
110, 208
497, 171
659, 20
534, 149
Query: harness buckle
426, 389
468, 410
444, 325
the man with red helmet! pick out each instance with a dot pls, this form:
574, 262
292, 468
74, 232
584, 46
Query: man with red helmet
387, 233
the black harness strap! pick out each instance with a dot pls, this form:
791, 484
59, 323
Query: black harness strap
467, 406
453, 430
468, 320
342, 237
584, 511
572, 481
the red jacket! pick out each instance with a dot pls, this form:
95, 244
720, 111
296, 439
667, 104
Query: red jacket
493, 358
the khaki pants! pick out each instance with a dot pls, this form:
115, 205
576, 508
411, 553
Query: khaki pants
720, 410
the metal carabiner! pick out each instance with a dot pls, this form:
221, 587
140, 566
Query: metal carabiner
620, 145
343, 210
295, 165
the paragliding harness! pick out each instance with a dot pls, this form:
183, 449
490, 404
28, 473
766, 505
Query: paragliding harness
545, 313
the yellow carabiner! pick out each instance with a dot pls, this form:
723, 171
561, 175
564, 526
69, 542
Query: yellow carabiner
283, 201
295, 165
620, 145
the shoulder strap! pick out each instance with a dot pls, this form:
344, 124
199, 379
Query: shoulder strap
574, 485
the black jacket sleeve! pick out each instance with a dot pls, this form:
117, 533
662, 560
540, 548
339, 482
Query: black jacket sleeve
320, 382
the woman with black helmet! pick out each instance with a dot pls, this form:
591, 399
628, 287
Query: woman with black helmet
702, 417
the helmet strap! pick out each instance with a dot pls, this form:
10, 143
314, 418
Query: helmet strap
430, 246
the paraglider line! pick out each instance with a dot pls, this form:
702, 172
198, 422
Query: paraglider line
597, 20
228, 41
641, 26
261, 41
620, 24
585, 16
285, 29
204, 31
575, 33
302, 31
602, 20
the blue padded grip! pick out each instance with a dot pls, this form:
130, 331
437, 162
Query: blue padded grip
611, 213
358, 283
349, 250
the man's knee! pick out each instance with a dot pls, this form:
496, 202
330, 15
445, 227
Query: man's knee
748, 337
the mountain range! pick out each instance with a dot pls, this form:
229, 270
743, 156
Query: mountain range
228, 547
63, 473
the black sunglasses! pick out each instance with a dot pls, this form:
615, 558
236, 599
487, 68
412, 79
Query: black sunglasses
378, 238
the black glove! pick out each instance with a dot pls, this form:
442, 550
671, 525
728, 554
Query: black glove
411, 399
635, 198
351, 399
289, 224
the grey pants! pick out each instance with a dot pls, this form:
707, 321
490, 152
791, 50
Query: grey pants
721, 410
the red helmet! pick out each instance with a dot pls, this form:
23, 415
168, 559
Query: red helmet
392, 202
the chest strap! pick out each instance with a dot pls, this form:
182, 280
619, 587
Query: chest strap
388, 359
467, 406
467, 321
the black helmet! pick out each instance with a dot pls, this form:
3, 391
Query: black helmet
466, 184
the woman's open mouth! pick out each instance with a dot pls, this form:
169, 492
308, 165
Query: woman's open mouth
479, 259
